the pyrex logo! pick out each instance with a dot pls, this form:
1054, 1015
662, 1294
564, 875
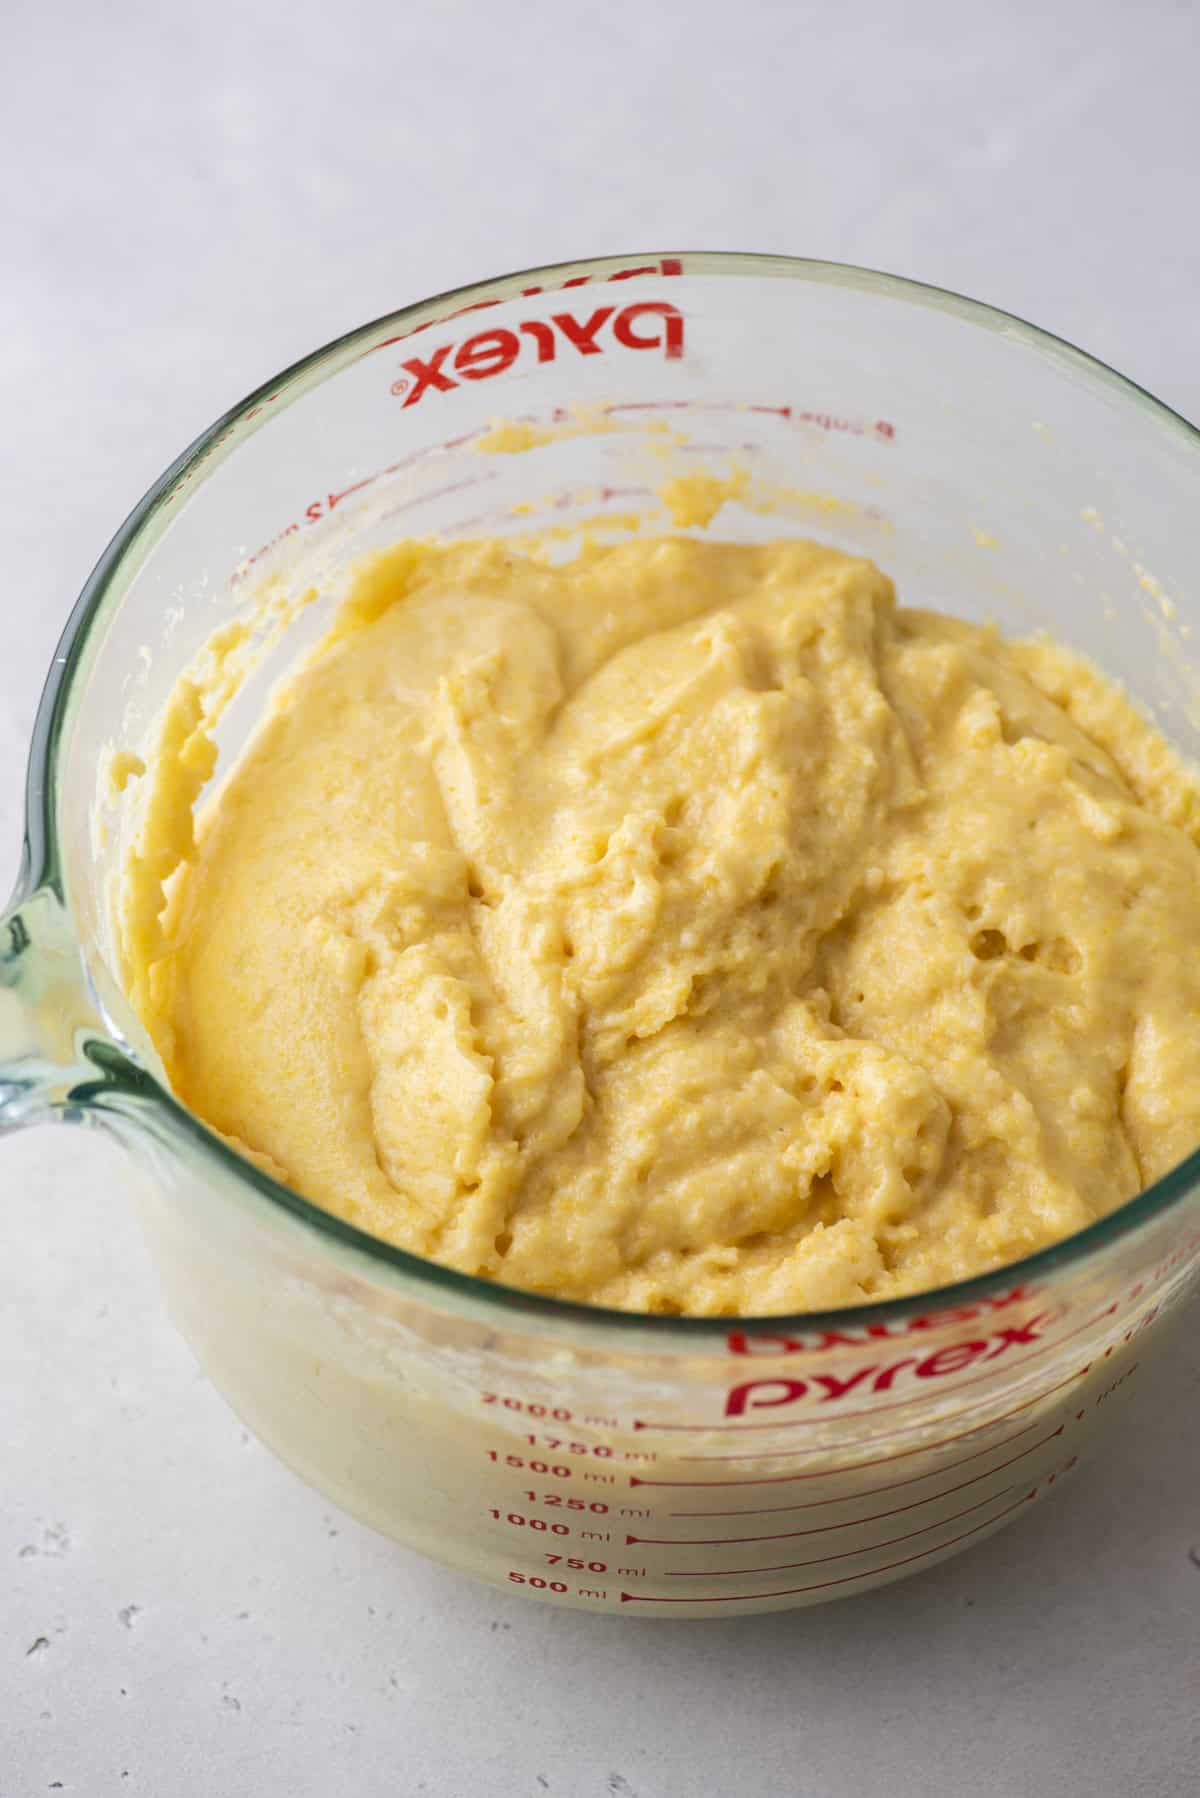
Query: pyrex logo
880, 1376
645, 325
739, 1343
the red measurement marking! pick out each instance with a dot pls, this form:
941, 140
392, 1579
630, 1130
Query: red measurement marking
653, 406
826, 421
869, 1491
822, 1529
607, 494
319, 509
719, 449
461, 526
845, 1554
467, 437
504, 519
792, 1423
422, 499
920, 1448
701, 406
844, 1579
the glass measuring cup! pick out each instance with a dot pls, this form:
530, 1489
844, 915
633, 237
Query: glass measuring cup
666, 1466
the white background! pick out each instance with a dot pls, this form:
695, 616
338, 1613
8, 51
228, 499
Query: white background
189, 199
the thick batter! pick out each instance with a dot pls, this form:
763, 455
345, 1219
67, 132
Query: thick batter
684, 928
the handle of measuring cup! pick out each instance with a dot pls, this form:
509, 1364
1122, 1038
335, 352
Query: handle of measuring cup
47, 1016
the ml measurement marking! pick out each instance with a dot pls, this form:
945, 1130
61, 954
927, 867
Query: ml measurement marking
841, 1498
844, 1579
844, 1554
852, 1522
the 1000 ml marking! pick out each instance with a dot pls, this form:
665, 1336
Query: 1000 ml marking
529, 1523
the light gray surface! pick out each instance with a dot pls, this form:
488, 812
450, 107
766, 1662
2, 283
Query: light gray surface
190, 200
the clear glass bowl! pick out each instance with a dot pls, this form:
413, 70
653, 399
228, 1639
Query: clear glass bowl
649, 1465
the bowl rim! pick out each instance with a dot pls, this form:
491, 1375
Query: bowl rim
128, 1083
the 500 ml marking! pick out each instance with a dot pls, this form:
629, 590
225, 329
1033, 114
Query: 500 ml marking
536, 1581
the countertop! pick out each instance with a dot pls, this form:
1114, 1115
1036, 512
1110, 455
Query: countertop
190, 199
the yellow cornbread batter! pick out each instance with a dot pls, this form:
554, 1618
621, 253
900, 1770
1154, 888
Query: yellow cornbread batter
683, 928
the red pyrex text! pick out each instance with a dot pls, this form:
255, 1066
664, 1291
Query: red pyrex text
759, 1395
646, 325
741, 1343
